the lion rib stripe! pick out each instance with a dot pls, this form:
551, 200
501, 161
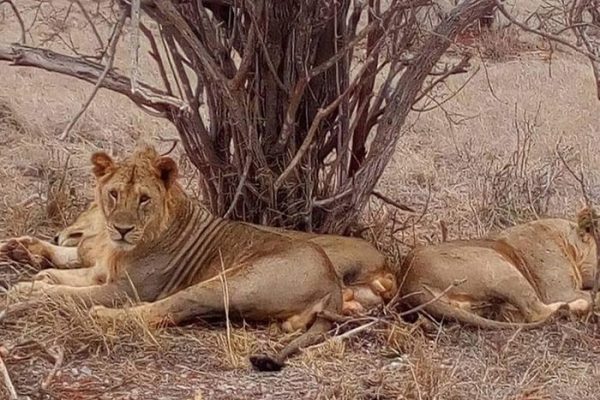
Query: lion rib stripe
187, 271
186, 263
199, 226
193, 230
204, 253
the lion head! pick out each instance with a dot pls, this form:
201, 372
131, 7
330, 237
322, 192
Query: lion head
89, 222
135, 195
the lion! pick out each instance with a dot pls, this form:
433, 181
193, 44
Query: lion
368, 281
524, 274
159, 246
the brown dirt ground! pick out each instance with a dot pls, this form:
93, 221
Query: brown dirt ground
456, 164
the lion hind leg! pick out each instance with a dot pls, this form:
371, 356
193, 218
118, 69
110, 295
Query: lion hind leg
305, 318
579, 306
519, 292
315, 334
358, 298
385, 286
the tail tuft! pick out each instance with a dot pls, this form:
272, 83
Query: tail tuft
266, 364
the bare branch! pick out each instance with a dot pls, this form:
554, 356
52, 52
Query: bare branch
88, 71
208, 64
392, 202
240, 186
155, 54
19, 18
86, 15
406, 90
110, 52
58, 354
545, 35
321, 114
459, 68
134, 48
7, 382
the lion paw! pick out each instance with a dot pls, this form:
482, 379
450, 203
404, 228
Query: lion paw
103, 312
16, 251
352, 307
107, 313
46, 276
25, 250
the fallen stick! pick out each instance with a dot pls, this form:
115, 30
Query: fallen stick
12, 393
58, 360
366, 326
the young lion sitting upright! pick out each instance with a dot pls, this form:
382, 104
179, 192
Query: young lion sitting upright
176, 257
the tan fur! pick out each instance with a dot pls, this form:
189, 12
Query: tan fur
362, 268
523, 274
145, 235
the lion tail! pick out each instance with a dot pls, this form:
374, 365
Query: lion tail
315, 334
442, 309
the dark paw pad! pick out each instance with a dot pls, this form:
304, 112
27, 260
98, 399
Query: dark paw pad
265, 363
14, 250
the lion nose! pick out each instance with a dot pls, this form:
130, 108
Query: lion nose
123, 230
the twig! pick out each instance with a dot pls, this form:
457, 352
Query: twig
86, 15
545, 35
329, 200
19, 18
240, 186
366, 326
459, 68
223, 279
7, 382
173, 145
135, 43
347, 334
392, 202
58, 356
433, 300
111, 52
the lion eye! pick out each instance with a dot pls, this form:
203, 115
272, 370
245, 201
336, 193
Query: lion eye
144, 199
114, 194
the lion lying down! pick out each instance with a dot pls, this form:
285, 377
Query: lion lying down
154, 243
366, 278
523, 274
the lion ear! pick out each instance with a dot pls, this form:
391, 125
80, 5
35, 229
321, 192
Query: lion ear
102, 163
167, 169
587, 220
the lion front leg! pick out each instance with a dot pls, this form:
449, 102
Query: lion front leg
58, 256
79, 277
201, 300
106, 294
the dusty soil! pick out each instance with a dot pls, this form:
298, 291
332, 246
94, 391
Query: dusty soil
457, 164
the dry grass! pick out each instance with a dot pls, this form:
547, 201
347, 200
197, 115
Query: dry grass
474, 165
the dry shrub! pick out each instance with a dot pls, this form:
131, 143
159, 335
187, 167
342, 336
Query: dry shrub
55, 200
503, 43
515, 189
9, 121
